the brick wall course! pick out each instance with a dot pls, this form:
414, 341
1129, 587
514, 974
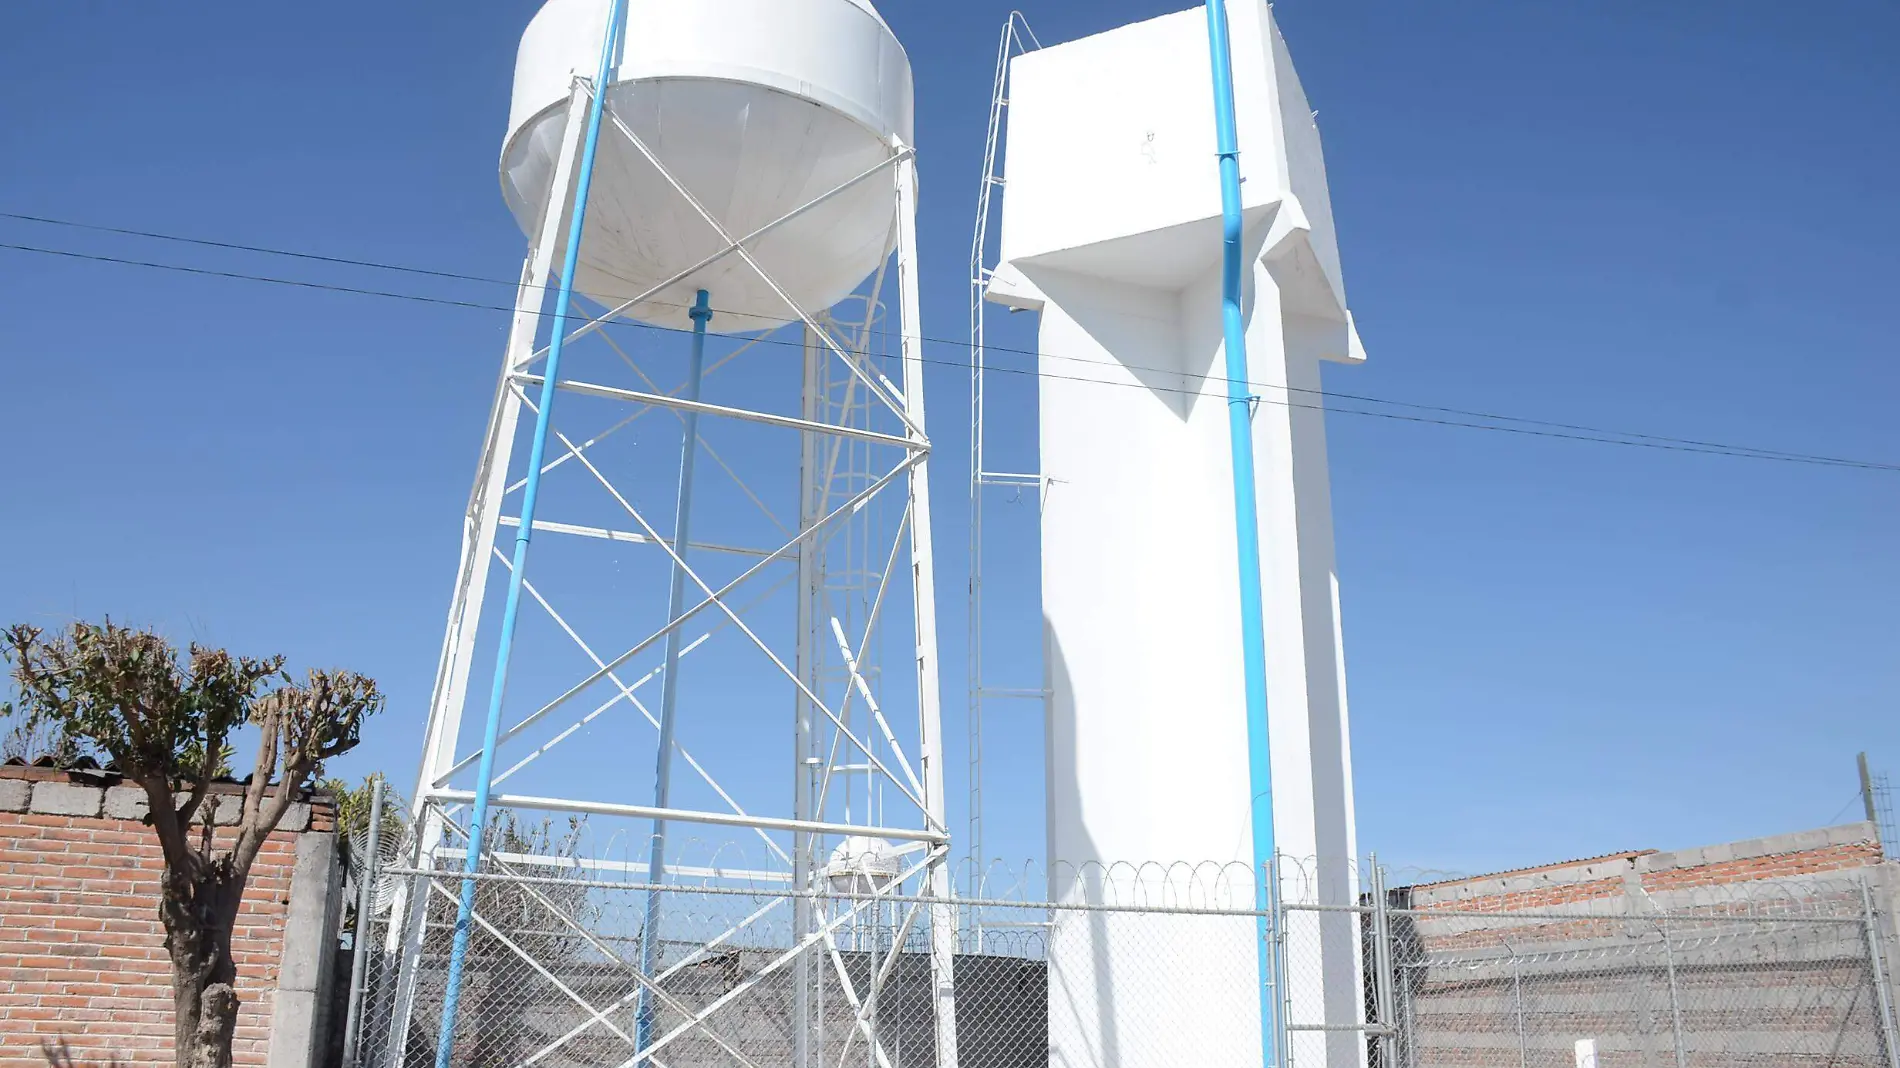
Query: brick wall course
82, 957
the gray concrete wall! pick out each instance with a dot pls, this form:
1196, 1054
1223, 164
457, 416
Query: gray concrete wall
300, 1022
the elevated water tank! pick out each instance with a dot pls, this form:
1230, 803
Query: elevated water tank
757, 107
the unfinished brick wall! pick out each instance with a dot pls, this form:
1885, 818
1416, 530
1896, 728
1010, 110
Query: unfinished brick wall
1809, 861
82, 956
1698, 957
1648, 871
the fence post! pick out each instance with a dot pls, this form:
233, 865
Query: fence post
1276, 961
1675, 1002
1382, 965
359, 942
1882, 993
1517, 1007
1409, 1027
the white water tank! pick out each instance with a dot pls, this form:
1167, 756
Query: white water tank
862, 865
757, 107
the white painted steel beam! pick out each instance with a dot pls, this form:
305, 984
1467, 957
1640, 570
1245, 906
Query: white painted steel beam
645, 643
624, 421
628, 536
624, 306
471, 584
692, 871
625, 691
759, 643
923, 583
661, 400
851, 359
722, 819
804, 738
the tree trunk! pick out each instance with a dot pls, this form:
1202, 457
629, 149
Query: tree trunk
199, 914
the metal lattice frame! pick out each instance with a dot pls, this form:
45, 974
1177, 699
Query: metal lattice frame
847, 754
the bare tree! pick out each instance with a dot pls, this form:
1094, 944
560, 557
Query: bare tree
166, 721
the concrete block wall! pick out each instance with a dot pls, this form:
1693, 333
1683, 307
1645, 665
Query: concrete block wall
82, 957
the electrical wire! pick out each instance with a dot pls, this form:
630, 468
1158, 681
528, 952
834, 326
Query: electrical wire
788, 320
1842, 811
1204, 378
1530, 427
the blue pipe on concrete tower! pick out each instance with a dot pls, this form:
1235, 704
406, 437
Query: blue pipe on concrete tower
1246, 524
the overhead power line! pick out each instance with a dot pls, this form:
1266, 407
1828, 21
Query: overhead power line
788, 320
1527, 426
1575, 428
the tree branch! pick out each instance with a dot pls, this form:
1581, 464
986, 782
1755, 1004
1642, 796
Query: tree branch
172, 828
200, 786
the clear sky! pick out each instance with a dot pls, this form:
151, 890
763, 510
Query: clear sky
1665, 219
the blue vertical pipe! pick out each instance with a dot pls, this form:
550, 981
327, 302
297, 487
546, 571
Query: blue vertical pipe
478, 816
669, 681
1246, 522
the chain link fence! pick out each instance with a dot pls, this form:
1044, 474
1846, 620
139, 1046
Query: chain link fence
1108, 967
553, 976
1748, 976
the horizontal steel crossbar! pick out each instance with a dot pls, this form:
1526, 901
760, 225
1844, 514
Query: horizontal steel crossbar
639, 866
1008, 478
662, 400
634, 537
724, 819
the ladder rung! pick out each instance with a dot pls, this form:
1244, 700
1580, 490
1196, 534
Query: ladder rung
1008, 478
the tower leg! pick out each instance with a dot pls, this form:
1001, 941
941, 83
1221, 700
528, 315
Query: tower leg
479, 526
809, 510
669, 683
943, 916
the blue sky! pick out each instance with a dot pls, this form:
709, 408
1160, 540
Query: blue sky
1668, 219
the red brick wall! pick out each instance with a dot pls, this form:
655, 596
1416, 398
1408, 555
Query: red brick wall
1561, 886
1803, 862
1774, 866
1544, 956
1722, 873
82, 956
1542, 897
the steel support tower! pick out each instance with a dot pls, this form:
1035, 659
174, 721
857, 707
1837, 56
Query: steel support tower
864, 746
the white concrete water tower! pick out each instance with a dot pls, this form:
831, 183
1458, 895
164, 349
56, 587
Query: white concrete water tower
1112, 230
748, 168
